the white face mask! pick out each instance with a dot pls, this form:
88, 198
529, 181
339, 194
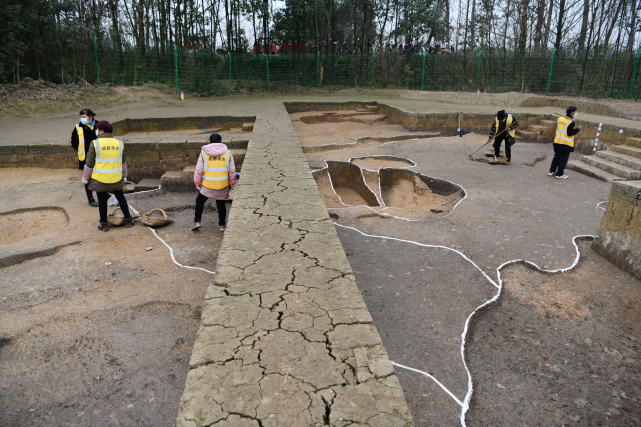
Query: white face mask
575, 115
84, 120
97, 132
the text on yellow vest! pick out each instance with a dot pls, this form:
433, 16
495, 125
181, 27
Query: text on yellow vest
561, 136
508, 123
216, 171
108, 167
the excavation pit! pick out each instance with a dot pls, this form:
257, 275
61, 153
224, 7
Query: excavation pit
374, 163
21, 224
388, 191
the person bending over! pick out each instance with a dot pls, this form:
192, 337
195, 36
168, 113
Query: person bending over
503, 129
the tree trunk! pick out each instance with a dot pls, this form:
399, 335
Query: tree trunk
548, 25
584, 24
559, 24
525, 7
633, 24
540, 20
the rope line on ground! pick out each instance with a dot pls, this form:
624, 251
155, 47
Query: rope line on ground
171, 250
173, 258
498, 284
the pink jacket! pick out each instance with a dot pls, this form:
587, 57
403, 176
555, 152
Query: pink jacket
215, 149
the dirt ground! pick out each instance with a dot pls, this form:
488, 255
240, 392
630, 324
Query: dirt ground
99, 332
420, 290
563, 348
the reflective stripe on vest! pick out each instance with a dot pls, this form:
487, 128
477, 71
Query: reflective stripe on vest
508, 123
108, 167
81, 142
561, 136
216, 171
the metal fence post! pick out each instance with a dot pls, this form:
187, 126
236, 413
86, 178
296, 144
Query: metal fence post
423, 56
635, 70
95, 50
176, 70
269, 83
550, 72
229, 87
478, 69
318, 76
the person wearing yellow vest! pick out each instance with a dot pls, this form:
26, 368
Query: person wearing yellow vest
563, 143
106, 171
503, 129
83, 133
215, 174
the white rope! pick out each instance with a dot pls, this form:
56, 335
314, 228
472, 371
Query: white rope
171, 250
173, 258
498, 284
430, 376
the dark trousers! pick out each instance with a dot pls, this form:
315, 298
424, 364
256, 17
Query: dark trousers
89, 193
103, 196
509, 142
81, 166
220, 207
560, 160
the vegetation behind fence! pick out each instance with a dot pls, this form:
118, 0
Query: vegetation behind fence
562, 72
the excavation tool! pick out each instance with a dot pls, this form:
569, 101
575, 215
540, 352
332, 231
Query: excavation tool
487, 142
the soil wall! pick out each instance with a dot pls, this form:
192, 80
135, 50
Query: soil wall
619, 237
145, 160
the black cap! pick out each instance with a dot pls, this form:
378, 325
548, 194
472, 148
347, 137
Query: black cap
501, 114
87, 112
570, 110
215, 138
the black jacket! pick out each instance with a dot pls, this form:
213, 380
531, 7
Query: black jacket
89, 133
571, 129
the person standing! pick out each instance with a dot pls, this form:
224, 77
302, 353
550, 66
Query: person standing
105, 172
503, 129
563, 143
81, 136
215, 174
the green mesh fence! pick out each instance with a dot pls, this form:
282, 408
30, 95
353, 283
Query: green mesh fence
591, 73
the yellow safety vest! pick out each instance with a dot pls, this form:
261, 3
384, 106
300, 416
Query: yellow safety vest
508, 123
81, 142
216, 171
561, 136
108, 167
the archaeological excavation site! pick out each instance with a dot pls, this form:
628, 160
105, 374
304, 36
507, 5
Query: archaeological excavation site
378, 268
